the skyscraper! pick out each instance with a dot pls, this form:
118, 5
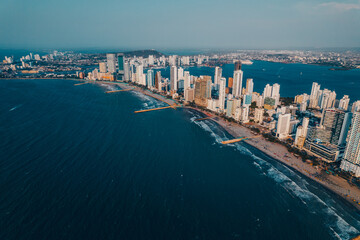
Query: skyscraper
186, 79
180, 74
332, 121
344, 103
275, 94
351, 161
121, 62
222, 87
283, 126
102, 67
127, 72
259, 115
202, 90
150, 78
218, 75
237, 88
140, 75
237, 66
173, 78
157, 79
301, 133
267, 91
314, 95
111, 62
249, 86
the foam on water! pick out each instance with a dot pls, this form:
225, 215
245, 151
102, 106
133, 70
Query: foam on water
149, 102
109, 87
12, 109
338, 227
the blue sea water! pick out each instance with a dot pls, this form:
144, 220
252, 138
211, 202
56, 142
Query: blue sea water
77, 163
294, 79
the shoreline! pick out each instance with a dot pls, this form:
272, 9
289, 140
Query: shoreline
278, 152
335, 184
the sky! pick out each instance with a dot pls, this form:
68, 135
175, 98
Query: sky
185, 24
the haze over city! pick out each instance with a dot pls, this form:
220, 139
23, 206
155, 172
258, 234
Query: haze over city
277, 24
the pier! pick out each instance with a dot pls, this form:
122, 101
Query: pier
78, 84
154, 109
239, 139
121, 90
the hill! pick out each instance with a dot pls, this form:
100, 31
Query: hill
143, 53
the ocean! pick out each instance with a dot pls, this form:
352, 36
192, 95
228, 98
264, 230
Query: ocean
294, 78
77, 163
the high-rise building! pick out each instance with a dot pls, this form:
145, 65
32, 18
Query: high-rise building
127, 72
275, 94
267, 91
327, 99
111, 62
222, 87
180, 74
230, 82
247, 100
158, 80
249, 86
202, 90
314, 96
187, 79
333, 121
150, 78
344, 103
121, 62
237, 66
189, 94
173, 78
355, 107
140, 79
301, 133
229, 107
259, 115
244, 114
283, 126
102, 67
351, 160
237, 89
172, 60
218, 75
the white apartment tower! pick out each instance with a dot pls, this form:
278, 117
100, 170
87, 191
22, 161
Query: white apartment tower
222, 87
283, 126
173, 78
237, 84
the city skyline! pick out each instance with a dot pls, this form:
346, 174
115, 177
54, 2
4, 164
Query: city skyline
201, 24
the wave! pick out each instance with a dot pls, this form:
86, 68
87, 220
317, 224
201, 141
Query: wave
12, 109
338, 227
109, 87
149, 102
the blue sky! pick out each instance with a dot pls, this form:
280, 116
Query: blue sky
263, 24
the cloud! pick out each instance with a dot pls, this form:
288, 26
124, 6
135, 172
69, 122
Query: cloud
340, 7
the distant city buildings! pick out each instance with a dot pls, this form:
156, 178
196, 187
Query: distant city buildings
317, 122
